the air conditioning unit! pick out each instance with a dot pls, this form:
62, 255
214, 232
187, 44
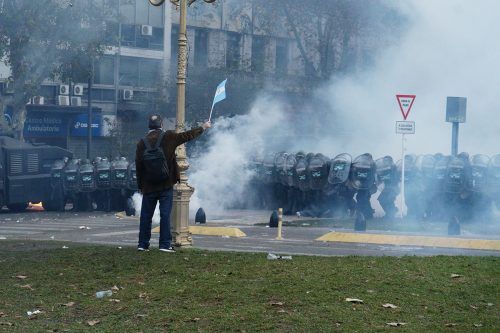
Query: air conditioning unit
78, 90
38, 100
146, 30
63, 89
76, 101
63, 100
127, 94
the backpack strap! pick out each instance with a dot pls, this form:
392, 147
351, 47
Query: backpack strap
160, 138
146, 143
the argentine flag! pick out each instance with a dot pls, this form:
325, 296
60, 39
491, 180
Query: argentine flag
220, 94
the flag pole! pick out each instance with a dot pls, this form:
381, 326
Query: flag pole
210, 117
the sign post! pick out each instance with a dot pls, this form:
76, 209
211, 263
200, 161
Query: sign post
404, 127
456, 108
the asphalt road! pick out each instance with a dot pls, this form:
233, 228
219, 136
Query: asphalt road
107, 228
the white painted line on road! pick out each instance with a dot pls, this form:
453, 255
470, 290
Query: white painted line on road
116, 233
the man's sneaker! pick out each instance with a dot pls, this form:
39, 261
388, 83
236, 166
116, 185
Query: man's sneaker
141, 249
168, 249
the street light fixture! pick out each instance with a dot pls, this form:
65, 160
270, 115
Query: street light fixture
182, 191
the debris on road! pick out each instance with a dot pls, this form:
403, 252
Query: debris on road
272, 256
93, 322
33, 313
103, 293
354, 300
396, 324
389, 306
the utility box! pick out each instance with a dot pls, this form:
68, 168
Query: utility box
456, 109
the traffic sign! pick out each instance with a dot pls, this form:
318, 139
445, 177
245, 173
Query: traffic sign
405, 103
405, 127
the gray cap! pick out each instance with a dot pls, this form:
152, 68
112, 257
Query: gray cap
155, 121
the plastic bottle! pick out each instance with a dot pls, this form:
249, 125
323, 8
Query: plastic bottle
271, 256
101, 294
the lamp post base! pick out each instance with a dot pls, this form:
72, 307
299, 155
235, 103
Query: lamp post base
180, 215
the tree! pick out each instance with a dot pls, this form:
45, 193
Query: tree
49, 39
329, 34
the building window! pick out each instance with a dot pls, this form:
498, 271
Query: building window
136, 13
104, 71
281, 56
233, 50
201, 48
129, 71
127, 11
258, 53
139, 72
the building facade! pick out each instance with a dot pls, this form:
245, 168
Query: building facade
136, 75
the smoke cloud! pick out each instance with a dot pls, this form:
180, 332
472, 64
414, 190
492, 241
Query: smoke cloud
449, 48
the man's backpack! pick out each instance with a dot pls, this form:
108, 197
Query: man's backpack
154, 161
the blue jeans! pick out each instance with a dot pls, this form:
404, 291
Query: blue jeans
149, 202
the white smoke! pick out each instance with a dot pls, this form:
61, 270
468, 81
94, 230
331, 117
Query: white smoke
449, 48
219, 174
137, 199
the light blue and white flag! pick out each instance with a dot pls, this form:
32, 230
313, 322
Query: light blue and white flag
220, 94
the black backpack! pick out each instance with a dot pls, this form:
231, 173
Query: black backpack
154, 161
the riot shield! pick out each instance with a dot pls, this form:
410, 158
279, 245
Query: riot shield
103, 174
279, 165
455, 179
340, 167
318, 172
290, 163
363, 172
494, 175
302, 179
479, 165
385, 169
119, 173
86, 177
269, 170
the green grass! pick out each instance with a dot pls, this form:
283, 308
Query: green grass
195, 290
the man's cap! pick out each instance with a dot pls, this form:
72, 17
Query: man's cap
155, 121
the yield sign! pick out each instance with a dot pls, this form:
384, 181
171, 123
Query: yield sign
405, 103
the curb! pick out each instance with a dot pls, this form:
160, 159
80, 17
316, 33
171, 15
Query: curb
448, 242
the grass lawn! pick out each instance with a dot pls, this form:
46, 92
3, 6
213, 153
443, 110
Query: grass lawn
195, 290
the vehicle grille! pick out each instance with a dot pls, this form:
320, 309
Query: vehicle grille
33, 163
16, 164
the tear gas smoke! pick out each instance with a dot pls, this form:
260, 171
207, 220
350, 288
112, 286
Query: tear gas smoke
137, 199
448, 49
219, 173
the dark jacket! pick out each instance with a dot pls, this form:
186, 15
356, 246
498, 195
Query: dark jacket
170, 141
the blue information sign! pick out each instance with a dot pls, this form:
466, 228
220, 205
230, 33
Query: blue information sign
45, 126
79, 125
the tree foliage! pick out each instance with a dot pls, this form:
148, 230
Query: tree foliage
49, 39
331, 35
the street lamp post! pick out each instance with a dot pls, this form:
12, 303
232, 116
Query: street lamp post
182, 191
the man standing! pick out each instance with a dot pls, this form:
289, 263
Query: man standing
157, 172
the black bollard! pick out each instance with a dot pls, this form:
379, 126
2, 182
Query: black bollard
200, 216
273, 220
454, 226
360, 223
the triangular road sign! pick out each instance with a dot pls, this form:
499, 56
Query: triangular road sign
405, 103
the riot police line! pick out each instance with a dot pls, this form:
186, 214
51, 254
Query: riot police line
103, 184
437, 187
